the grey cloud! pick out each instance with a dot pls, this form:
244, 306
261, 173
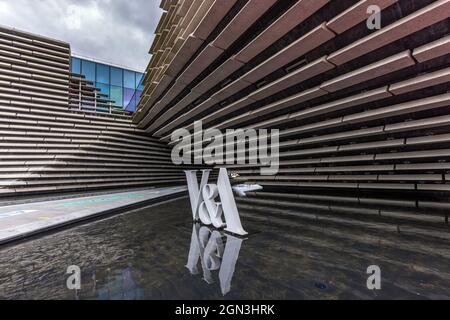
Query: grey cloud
118, 31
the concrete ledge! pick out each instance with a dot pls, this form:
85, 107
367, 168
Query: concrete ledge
355, 15
249, 14
298, 13
25, 220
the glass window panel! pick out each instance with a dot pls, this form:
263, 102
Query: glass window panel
117, 95
104, 88
129, 79
116, 77
139, 77
76, 65
102, 73
128, 94
88, 70
132, 105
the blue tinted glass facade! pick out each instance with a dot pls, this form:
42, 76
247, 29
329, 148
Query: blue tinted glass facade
116, 77
76, 66
128, 95
102, 73
122, 86
117, 95
104, 88
129, 79
139, 80
88, 70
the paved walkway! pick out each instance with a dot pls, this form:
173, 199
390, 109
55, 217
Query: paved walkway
19, 221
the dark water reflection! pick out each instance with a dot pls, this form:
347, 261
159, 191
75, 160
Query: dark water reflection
297, 249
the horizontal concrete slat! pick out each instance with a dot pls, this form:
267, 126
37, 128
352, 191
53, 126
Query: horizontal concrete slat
314, 68
212, 18
433, 50
421, 19
295, 50
372, 71
248, 15
356, 14
420, 82
299, 12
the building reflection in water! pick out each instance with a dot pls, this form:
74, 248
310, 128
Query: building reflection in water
300, 246
121, 287
207, 245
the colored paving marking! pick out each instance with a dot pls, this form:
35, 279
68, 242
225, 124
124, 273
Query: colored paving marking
17, 221
104, 199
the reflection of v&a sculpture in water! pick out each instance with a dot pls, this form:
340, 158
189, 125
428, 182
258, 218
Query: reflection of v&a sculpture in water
207, 246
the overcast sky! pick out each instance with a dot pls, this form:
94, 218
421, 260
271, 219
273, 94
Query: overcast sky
118, 31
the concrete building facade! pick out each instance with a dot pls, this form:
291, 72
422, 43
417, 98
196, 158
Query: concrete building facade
45, 146
358, 107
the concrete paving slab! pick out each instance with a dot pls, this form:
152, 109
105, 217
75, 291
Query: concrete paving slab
23, 220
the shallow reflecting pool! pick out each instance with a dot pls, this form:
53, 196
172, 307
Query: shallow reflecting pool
298, 248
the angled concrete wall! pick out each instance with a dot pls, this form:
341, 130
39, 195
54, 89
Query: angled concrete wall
44, 147
357, 108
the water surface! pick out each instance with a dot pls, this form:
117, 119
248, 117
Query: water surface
312, 249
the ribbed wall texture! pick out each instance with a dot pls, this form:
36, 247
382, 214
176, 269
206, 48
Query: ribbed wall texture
357, 108
44, 147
